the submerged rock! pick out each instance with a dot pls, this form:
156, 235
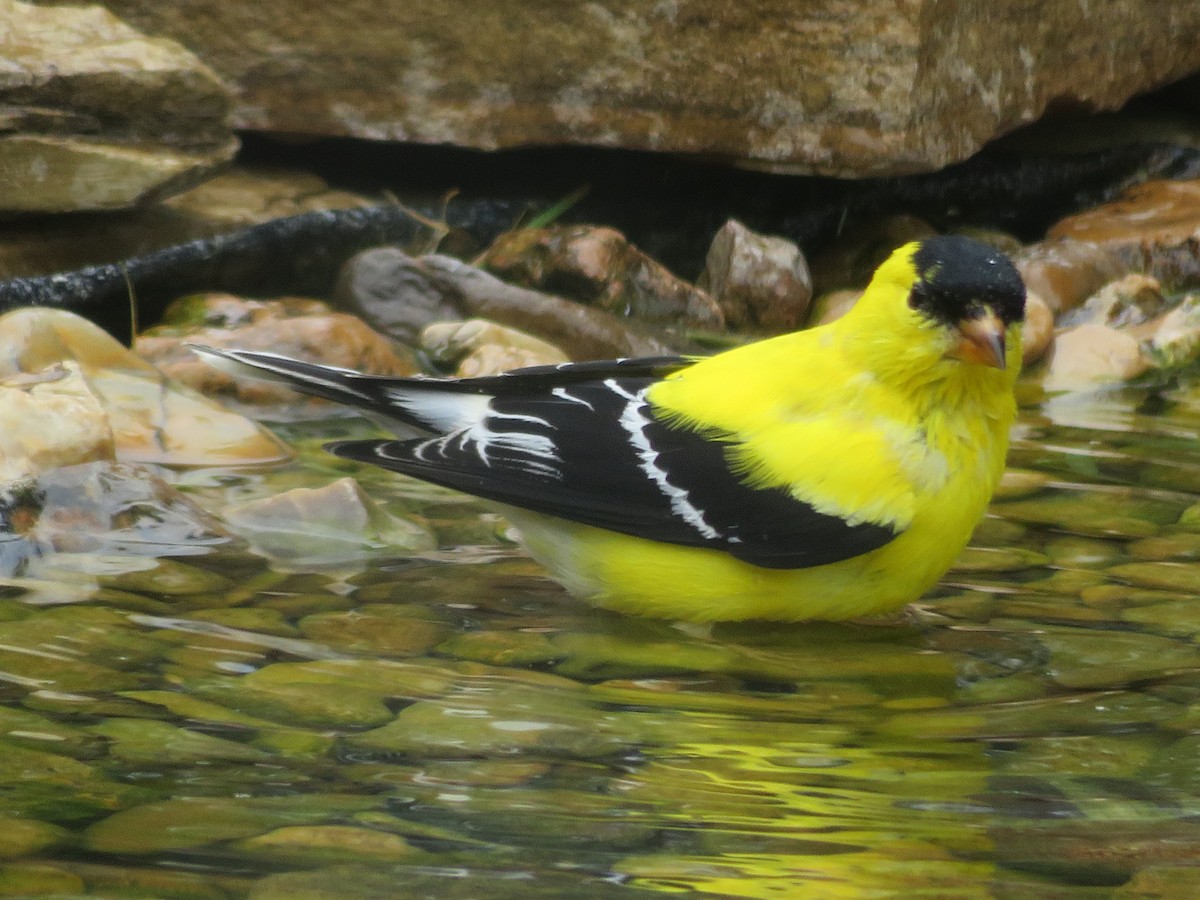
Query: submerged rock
761, 282
330, 525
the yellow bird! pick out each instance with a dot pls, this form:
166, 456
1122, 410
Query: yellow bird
826, 474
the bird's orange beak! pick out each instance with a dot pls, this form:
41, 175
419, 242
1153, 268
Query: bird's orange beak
981, 340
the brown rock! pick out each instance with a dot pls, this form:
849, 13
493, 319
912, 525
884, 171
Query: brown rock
760, 281
97, 116
1064, 273
1153, 227
1038, 330
388, 288
833, 88
599, 267
305, 329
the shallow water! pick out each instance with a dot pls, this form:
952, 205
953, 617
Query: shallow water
451, 724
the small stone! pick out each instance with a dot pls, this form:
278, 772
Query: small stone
142, 741
1174, 338
1038, 332
478, 347
1079, 552
1131, 300
1179, 547
1017, 483
1089, 659
386, 630
1163, 576
1088, 356
308, 844
990, 559
25, 837
39, 880
761, 282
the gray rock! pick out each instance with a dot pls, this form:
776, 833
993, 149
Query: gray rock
97, 116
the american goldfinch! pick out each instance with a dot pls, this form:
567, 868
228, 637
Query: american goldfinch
826, 474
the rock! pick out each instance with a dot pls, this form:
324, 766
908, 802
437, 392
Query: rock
20, 838
599, 267
303, 328
106, 508
330, 525
854, 90
761, 282
1038, 331
49, 419
1064, 273
380, 629
1174, 338
387, 287
435, 288
1130, 300
141, 742
1153, 227
308, 844
478, 347
1088, 356
186, 822
151, 419
98, 116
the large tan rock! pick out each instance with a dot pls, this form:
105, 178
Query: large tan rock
94, 115
821, 86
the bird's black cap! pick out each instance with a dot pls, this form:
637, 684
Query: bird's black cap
957, 277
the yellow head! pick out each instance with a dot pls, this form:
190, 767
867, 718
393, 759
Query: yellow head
941, 304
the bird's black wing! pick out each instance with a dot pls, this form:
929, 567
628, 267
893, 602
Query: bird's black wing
592, 451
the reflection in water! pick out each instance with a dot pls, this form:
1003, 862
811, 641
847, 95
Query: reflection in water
200, 723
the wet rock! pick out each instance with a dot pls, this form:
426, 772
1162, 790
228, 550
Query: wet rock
98, 116
501, 648
50, 419
1163, 576
151, 419
761, 282
1094, 755
107, 508
1016, 483
22, 837
195, 822
39, 880
1181, 880
308, 844
845, 92
1089, 356
478, 347
1151, 227
1087, 658
348, 693
507, 720
1130, 300
141, 742
1174, 340
303, 328
386, 630
411, 293
599, 267
1065, 273
1038, 331
330, 525
57, 789
1077, 552
1175, 617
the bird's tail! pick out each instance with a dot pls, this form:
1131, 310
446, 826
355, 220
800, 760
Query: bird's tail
426, 404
